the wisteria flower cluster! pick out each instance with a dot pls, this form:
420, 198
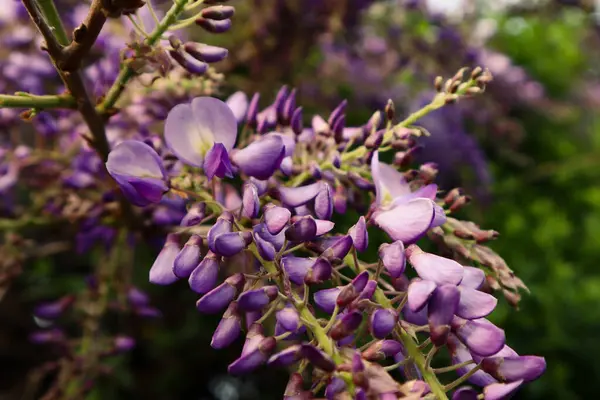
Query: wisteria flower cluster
247, 200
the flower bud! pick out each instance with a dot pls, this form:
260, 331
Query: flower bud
189, 63
358, 233
465, 393
250, 201
288, 107
500, 391
346, 325
340, 200
254, 300
326, 299
252, 111
195, 215
337, 113
352, 290
218, 13
382, 349
338, 129
318, 358
480, 336
228, 329
390, 110
161, 272
253, 359
382, 322
303, 229
214, 26
296, 121
373, 124
204, 52
54, 309
204, 277
393, 258
510, 369
324, 202
188, 258
285, 357
220, 297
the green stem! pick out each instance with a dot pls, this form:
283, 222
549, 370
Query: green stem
453, 367
127, 72
37, 102
53, 19
462, 379
414, 353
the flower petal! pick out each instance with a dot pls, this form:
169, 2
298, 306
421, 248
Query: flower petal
408, 221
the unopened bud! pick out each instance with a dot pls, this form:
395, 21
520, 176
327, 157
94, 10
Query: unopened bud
437, 83
214, 26
452, 196
459, 203
218, 13
390, 110
476, 73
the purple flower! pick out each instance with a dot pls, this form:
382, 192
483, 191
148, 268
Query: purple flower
474, 304
500, 391
318, 358
250, 201
358, 233
254, 358
161, 272
382, 322
204, 277
297, 196
188, 258
300, 270
352, 290
238, 103
220, 297
228, 329
382, 349
191, 130
480, 335
139, 171
286, 357
276, 218
434, 268
346, 325
419, 293
441, 309
254, 300
217, 162
260, 159
326, 299
302, 230
510, 369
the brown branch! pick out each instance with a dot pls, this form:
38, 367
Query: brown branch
84, 37
52, 45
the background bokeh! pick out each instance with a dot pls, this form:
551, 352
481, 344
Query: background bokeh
528, 150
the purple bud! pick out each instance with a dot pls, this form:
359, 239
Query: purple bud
510, 369
326, 299
296, 122
368, 291
352, 290
220, 297
54, 309
358, 371
254, 300
214, 26
250, 201
318, 358
346, 325
393, 258
442, 307
294, 389
223, 225
285, 357
337, 113
276, 218
432, 267
228, 329
419, 293
195, 215
373, 123
474, 304
288, 318
123, 344
465, 393
205, 52
189, 63
323, 226
382, 349
188, 258
324, 202
260, 159
303, 229
359, 235
265, 248
338, 129
500, 391
382, 322
137, 298
300, 270
216, 162
319, 272
250, 361
204, 278
288, 107
252, 110
261, 186
280, 100
338, 249
335, 388
161, 272
230, 244
50, 336
218, 13
480, 335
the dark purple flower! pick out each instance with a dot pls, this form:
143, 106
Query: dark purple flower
192, 129
222, 225
297, 196
318, 358
139, 171
220, 297
188, 258
300, 270
324, 202
286, 357
352, 290
161, 272
302, 230
214, 26
257, 299
216, 162
441, 309
335, 387
382, 322
326, 299
346, 325
252, 111
204, 277
195, 215
205, 52
228, 329
230, 243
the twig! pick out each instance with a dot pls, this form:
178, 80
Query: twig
37, 102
